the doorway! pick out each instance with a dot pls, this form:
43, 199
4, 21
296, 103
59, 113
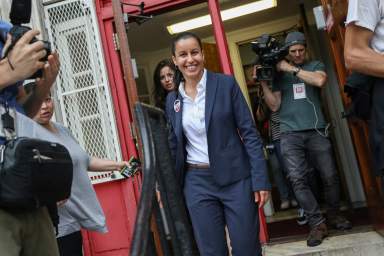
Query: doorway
150, 43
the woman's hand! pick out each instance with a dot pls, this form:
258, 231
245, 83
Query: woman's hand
122, 164
261, 197
105, 165
50, 71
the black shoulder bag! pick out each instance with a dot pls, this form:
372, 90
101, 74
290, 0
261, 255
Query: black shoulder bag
33, 172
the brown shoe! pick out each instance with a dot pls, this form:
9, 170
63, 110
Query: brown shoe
317, 234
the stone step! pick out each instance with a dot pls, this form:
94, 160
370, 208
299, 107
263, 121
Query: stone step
357, 244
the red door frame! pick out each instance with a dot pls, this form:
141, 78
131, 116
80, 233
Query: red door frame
119, 199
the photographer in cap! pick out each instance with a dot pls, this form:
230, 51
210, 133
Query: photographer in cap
27, 233
295, 94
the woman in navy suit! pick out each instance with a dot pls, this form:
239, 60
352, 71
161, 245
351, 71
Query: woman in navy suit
218, 153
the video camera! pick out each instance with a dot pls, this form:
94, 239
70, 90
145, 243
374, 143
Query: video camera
269, 54
20, 14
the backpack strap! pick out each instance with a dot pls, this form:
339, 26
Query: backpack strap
53, 213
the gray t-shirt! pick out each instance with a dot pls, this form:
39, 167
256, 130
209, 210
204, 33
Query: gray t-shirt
300, 107
82, 210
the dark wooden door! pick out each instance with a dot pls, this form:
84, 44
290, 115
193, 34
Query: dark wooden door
211, 57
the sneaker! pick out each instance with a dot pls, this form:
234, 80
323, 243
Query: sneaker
317, 234
294, 203
301, 217
284, 204
339, 222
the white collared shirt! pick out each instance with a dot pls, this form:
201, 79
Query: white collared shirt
194, 123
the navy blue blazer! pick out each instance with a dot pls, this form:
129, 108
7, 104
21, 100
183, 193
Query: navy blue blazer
234, 144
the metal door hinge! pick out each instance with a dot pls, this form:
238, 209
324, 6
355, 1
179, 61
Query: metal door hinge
116, 44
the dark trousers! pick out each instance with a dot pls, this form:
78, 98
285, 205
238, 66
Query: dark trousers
211, 207
297, 148
376, 127
71, 245
280, 174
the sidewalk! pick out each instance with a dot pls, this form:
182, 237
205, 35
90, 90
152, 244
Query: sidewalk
357, 244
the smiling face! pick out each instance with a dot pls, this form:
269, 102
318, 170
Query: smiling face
45, 113
189, 58
297, 53
166, 78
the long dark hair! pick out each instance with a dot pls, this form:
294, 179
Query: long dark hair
183, 35
159, 91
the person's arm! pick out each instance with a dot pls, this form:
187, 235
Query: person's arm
32, 103
358, 54
272, 99
253, 145
22, 61
7, 77
98, 164
315, 78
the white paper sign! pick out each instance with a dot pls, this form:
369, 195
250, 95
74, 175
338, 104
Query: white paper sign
299, 91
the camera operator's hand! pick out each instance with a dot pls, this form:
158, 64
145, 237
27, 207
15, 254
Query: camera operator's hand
254, 75
284, 66
24, 58
254, 72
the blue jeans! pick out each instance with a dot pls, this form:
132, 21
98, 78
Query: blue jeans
297, 148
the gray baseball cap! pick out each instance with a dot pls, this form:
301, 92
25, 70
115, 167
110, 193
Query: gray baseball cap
295, 37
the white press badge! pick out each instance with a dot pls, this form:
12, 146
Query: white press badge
299, 91
176, 106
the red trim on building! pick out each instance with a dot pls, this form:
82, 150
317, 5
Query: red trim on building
221, 40
151, 7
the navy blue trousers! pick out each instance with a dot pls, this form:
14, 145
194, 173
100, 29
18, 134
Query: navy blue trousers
212, 207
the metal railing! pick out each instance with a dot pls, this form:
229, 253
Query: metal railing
158, 170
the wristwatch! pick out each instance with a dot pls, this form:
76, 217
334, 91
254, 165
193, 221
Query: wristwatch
296, 70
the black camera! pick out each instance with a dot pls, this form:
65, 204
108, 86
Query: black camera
20, 14
269, 54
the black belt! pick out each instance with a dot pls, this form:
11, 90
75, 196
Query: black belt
197, 166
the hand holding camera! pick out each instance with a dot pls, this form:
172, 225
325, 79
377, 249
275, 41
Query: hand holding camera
284, 66
25, 58
23, 51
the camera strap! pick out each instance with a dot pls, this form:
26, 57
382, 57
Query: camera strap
7, 124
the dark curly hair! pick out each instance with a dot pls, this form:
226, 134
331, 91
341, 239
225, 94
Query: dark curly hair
159, 92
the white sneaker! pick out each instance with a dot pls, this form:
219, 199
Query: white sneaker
301, 217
